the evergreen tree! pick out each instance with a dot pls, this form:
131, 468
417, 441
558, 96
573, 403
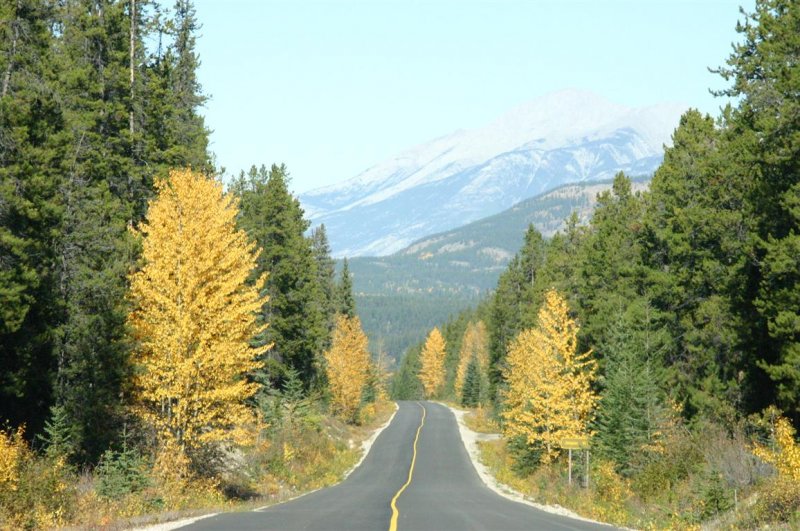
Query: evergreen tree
405, 383
609, 275
696, 250
512, 300
764, 148
31, 149
325, 275
274, 220
346, 303
471, 390
632, 407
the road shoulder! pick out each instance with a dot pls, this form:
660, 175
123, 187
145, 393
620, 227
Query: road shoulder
470, 439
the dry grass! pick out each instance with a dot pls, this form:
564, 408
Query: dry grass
47, 494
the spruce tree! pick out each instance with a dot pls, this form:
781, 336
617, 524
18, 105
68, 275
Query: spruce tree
346, 303
471, 391
274, 220
326, 273
512, 307
632, 406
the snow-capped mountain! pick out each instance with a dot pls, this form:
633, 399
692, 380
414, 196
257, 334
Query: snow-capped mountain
563, 137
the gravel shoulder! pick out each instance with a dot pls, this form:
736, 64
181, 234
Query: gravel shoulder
471, 439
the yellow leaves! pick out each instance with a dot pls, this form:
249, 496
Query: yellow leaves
786, 456
194, 315
347, 366
548, 396
13, 451
473, 345
431, 373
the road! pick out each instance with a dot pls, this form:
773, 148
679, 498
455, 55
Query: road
443, 491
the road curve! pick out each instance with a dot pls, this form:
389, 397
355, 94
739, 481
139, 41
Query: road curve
442, 492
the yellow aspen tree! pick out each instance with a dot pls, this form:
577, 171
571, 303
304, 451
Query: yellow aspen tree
193, 316
549, 395
474, 344
431, 372
785, 457
347, 366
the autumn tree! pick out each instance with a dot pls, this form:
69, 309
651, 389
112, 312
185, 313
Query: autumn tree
549, 395
347, 366
431, 372
194, 315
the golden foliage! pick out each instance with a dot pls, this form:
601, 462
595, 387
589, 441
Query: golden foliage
474, 344
194, 315
549, 395
431, 373
347, 366
786, 456
13, 451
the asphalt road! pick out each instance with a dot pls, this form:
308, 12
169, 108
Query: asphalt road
444, 492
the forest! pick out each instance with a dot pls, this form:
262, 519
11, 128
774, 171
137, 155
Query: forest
165, 343
666, 331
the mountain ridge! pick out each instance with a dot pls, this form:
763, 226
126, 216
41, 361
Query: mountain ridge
563, 137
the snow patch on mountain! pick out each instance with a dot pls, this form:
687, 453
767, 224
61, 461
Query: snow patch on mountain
566, 136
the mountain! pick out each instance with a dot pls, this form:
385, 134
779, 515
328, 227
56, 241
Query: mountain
564, 137
401, 296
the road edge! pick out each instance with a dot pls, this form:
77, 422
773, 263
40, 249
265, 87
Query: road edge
470, 440
366, 446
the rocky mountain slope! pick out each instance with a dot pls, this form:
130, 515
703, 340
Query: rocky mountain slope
564, 137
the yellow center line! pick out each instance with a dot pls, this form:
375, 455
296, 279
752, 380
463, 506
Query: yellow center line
395, 512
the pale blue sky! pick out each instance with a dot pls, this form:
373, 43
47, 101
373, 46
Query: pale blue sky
331, 88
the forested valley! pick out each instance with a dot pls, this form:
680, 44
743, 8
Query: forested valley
665, 332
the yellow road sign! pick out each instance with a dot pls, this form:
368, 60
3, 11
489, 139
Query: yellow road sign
575, 443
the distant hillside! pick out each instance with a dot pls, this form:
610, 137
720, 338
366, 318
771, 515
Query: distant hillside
561, 138
447, 272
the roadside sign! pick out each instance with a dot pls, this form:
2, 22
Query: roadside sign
575, 443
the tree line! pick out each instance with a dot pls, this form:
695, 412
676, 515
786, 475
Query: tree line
99, 108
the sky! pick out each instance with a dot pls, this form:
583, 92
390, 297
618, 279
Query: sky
331, 88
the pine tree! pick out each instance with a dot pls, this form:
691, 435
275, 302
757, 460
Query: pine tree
549, 395
193, 317
347, 366
431, 372
346, 302
696, 251
764, 150
31, 140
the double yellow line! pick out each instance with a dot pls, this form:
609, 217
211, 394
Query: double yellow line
395, 512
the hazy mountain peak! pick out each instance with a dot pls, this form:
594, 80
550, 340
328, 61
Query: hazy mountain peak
564, 136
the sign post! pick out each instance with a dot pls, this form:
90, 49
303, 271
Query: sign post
577, 443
